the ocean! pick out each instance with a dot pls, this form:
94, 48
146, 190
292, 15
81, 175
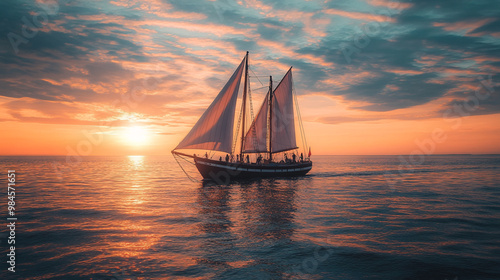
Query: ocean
353, 217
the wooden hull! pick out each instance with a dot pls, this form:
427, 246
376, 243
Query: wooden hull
223, 172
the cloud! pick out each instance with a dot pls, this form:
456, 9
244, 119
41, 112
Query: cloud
359, 16
87, 55
107, 72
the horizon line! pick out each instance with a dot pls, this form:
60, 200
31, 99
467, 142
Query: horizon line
458, 154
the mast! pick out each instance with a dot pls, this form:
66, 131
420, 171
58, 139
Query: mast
270, 118
244, 108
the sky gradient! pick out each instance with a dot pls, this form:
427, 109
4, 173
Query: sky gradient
372, 76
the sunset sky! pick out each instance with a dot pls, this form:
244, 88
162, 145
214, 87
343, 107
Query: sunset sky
132, 77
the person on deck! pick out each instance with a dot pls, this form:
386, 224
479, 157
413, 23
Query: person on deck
301, 157
259, 159
227, 157
294, 157
248, 159
206, 155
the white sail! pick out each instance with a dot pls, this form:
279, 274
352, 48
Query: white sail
283, 124
214, 130
256, 138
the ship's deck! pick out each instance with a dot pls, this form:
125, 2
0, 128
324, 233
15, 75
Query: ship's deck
223, 171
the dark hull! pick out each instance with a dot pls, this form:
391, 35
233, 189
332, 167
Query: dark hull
223, 172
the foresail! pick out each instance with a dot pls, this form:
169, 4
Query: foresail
256, 137
283, 124
214, 130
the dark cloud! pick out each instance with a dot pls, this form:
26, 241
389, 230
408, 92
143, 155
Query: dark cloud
407, 91
107, 72
481, 98
400, 46
493, 26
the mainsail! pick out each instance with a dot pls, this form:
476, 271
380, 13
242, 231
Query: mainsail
283, 125
255, 140
214, 130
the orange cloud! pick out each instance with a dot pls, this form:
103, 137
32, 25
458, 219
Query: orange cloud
287, 51
466, 26
158, 8
481, 59
257, 5
390, 4
458, 71
429, 60
205, 28
344, 81
400, 71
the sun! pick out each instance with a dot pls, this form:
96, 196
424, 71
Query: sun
136, 135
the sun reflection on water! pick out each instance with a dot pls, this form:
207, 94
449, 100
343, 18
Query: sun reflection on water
136, 161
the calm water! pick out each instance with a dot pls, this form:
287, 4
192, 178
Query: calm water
141, 218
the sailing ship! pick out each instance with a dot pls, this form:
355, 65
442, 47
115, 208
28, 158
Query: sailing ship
267, 148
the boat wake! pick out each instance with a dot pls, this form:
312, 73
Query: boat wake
395, 172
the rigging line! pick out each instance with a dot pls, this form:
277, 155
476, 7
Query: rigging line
237, 132
187, 175
262, 87
252, 127
188, 161
301, 125
303, 133
256, 76
251, 104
